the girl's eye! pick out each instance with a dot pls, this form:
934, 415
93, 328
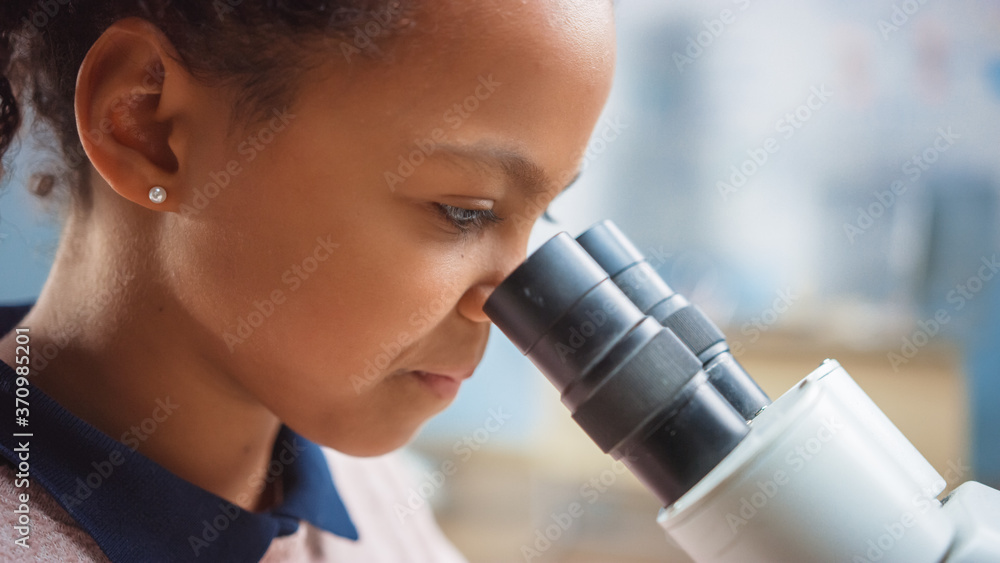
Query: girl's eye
467, 220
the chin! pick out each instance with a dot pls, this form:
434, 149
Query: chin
372, 446
370, 443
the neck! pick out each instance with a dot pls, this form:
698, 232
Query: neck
113, 349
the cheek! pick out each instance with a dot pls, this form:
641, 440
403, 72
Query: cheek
328, 297
304, 289
375, 301
337, 346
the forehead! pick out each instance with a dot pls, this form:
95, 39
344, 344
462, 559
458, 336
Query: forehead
452, 36
530, 77
571, 33
552, 57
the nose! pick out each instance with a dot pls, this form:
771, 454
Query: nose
471, 304
501, 265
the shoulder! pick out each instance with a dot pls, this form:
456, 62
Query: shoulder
394, 522
53, 535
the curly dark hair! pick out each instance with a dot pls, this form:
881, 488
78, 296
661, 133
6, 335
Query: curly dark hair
260, 47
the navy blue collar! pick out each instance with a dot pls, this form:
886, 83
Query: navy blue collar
138, 511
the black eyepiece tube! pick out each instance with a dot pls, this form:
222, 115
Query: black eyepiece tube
630, 383
628, 269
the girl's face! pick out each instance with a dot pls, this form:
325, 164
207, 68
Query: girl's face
338, 254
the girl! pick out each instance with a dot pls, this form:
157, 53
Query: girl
282, 219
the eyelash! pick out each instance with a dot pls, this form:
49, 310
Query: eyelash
467, 220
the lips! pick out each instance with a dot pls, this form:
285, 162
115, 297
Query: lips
443, 383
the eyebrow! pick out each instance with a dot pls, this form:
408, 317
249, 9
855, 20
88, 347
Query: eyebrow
518, 168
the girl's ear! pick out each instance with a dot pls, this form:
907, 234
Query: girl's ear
131, 93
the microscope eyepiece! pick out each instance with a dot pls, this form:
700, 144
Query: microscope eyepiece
616, 254
630, 383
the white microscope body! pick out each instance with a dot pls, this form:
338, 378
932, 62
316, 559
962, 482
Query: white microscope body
823, 475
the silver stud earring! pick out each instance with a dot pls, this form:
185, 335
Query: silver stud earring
157, 194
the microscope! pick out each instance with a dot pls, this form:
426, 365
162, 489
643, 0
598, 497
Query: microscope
819, 474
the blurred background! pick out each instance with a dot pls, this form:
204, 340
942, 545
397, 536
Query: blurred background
820, 177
